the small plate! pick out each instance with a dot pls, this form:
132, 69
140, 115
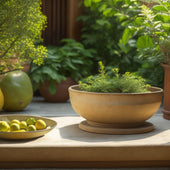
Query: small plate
28, 134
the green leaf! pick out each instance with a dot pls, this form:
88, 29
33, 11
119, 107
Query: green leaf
166, 26
77, 61
96, 1
162, 17
52, 74
107, 12
71, 54
47, 70
87, 3
159, 8
138, 21
121, 17
132, 43
102, 7
102, 22
36, 78
123, 47
145, 65
144, 42
87, 54
52, 87
34, 67
69, 64
127, 34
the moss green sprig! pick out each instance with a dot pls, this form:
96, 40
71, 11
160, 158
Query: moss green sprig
103, 83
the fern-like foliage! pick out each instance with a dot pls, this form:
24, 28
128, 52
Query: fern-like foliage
104, 83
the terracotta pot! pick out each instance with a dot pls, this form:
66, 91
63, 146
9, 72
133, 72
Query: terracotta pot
115, 110
61, 94
166, 101
26, 67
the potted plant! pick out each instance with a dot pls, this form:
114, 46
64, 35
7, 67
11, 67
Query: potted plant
152, 26
63, 67
117, 104
21, 24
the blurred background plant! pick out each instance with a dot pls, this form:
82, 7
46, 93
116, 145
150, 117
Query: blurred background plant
69, 59
152, 26
21, 24
105, 29
103, 25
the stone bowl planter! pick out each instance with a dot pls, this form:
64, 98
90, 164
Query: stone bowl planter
116, 113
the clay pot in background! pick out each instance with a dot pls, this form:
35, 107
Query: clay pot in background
166, 101
61, 94
27, 67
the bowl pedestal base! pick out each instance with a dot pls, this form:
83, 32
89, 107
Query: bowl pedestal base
100, 128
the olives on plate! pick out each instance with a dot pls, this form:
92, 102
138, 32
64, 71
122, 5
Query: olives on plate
30, 124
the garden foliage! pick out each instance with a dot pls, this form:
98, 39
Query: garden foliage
21, 23
103, 26
153, 42
153, 28
70, 59
104, 83
107, 27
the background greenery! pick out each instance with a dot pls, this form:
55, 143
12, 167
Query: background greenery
21, 23
70, 59
104, 30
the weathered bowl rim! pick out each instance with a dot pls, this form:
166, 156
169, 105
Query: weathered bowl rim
156, 91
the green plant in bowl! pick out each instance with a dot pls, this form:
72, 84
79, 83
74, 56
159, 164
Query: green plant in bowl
114, 83
115, 104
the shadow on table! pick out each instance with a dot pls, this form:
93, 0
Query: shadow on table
72, 132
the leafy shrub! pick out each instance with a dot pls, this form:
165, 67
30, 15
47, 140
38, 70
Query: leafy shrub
153, 72
103, 26
103, 83
21, 23
69, 60
107, 29
153, 41
153, 26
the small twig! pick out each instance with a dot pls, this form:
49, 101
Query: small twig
9, 47
8, 71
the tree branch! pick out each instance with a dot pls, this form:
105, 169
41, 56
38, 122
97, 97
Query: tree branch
9, 47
